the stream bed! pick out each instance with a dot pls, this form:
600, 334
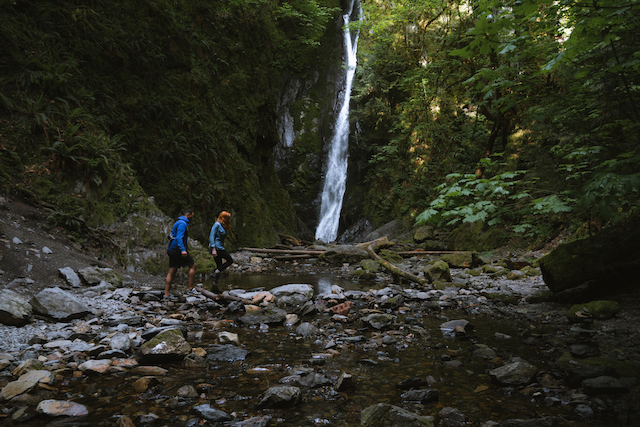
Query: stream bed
415, 352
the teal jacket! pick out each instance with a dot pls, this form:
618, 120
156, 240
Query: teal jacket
216, 238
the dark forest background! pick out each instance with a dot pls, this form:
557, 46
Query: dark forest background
518, 116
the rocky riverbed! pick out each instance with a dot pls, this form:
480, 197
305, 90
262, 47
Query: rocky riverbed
480, 344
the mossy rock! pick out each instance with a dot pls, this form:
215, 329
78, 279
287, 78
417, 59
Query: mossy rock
438, 271
600, 310
623, 369
391, 256
530, 271
370, 265
463, 260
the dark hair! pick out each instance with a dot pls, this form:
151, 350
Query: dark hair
187, 212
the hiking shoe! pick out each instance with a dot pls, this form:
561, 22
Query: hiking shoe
193, 291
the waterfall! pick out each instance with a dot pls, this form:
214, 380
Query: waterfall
336, 175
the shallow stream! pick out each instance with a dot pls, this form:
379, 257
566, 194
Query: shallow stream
379, 361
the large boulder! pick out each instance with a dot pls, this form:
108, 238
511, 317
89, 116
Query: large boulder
438, 272
15, 309
167, 346
267, 315
600, 262
58, 304
293, 295
95, 275
514, 374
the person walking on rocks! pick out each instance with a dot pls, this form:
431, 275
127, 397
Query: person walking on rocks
178, 251
216, 245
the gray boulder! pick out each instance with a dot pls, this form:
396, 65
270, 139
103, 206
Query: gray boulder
95, 275
514, 374
293, 295
226, 352
379, 321
166, 346
70, 276
15, 310
281, 395
268, 315
211, 414
58, 304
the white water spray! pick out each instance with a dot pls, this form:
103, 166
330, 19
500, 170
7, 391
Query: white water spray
336, 177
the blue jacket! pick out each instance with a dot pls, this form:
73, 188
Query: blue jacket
180, 231
216, 238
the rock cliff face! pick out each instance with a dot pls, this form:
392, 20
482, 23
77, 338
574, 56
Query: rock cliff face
306, 114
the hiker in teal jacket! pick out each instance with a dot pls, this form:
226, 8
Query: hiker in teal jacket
216, 245
178, 251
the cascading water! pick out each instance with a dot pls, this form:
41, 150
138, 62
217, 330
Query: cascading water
336, 176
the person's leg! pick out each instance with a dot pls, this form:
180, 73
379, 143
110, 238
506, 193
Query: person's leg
169, 279
223, 265
191, 274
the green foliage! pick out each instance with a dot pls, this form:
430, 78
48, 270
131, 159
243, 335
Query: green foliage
177, 97
442, 87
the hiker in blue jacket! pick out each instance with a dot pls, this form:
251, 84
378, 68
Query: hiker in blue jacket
216, 246
178, 251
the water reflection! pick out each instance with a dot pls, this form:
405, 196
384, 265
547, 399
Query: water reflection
321, 283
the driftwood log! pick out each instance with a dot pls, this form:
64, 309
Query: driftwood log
411, 253
602, 262
392, 268
216, 297
282, 251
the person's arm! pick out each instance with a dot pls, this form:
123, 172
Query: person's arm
181, 228
212, 236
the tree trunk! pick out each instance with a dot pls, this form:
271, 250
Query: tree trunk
393, 269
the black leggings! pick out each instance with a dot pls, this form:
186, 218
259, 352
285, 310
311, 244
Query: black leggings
222, 255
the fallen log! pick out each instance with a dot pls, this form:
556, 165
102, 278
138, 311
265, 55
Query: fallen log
393, 269
293, 257
217, 297
409, 253
282, 251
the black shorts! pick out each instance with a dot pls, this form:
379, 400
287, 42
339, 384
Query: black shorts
176, 260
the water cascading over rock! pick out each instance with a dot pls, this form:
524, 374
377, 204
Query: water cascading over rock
336, 169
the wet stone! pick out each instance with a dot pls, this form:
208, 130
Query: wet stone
62, 408
604, 385
209, 413
588, 349
279, 396
517, 373
420, 395
226, 352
